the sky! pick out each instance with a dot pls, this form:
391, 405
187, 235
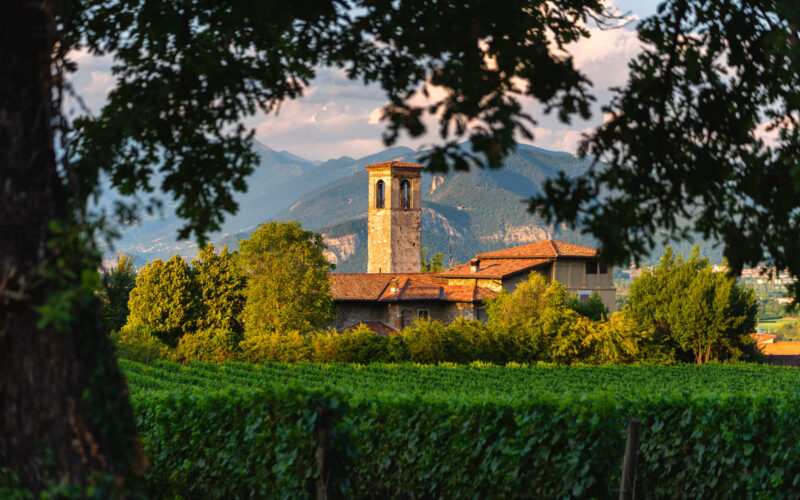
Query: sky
339, 117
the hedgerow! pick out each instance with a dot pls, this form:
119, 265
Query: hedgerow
480, 431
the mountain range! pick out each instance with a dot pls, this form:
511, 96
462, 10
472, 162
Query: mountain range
464, 213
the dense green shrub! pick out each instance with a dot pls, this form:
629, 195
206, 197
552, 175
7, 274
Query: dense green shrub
621, 340
238, 443
139, 343
516, 310
289, 347
357, 345
453, 431
213, 345
593, 309
461, 341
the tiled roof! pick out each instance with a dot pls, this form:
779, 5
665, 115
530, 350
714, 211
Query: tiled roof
378, 327
494, 268
456, 293
358, 286
540, 249
417, 288
783, 348
763, 337
410, 286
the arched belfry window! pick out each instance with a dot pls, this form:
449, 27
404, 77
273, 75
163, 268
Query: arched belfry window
379, 194
405, 194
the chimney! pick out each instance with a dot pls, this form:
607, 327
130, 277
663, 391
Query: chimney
474, 265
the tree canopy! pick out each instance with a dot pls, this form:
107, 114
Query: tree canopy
119, 281
166, 300
221, 284
693, 311
432, 265
188, 72
703, 138
287, 280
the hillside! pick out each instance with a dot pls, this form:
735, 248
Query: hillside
279, 179
463, 213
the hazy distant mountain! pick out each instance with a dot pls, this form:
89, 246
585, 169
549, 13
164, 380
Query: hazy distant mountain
278, 181
463, 213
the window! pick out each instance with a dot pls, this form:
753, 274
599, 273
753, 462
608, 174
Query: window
406, 318
379, 194
423, 313
405, 194
583, 296
603, 268
591, 267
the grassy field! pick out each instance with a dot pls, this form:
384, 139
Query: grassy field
768, 325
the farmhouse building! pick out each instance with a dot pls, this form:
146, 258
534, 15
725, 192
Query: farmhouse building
394, 293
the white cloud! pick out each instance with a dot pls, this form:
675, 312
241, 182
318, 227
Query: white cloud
102, 83
375, 116
605, 55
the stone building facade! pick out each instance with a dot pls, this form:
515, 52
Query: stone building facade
576, 267
394, 293
398, 300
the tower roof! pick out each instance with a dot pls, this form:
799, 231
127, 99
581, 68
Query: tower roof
394, 164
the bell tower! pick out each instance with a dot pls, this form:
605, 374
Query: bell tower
394, 217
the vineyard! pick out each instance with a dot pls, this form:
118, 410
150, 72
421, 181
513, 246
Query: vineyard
237, 430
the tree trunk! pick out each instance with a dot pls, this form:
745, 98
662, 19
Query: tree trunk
64, 412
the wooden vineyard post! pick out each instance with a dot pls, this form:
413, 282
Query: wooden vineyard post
629, 464
324, 466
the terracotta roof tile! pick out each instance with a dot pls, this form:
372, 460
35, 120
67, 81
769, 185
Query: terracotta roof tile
494, 268
763, 337
420, 287
540, 249
465, 293
484, 293
783, 348
358, 286
411, 286
378, 327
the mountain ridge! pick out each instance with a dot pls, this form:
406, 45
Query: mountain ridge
464, 213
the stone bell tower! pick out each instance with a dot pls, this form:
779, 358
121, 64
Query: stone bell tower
394, 217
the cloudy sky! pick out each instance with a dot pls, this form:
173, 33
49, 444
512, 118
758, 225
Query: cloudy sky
339, 117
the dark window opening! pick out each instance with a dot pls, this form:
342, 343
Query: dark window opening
405, 194
379, 195
406, 318
591, 267
423, 313
603, 268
